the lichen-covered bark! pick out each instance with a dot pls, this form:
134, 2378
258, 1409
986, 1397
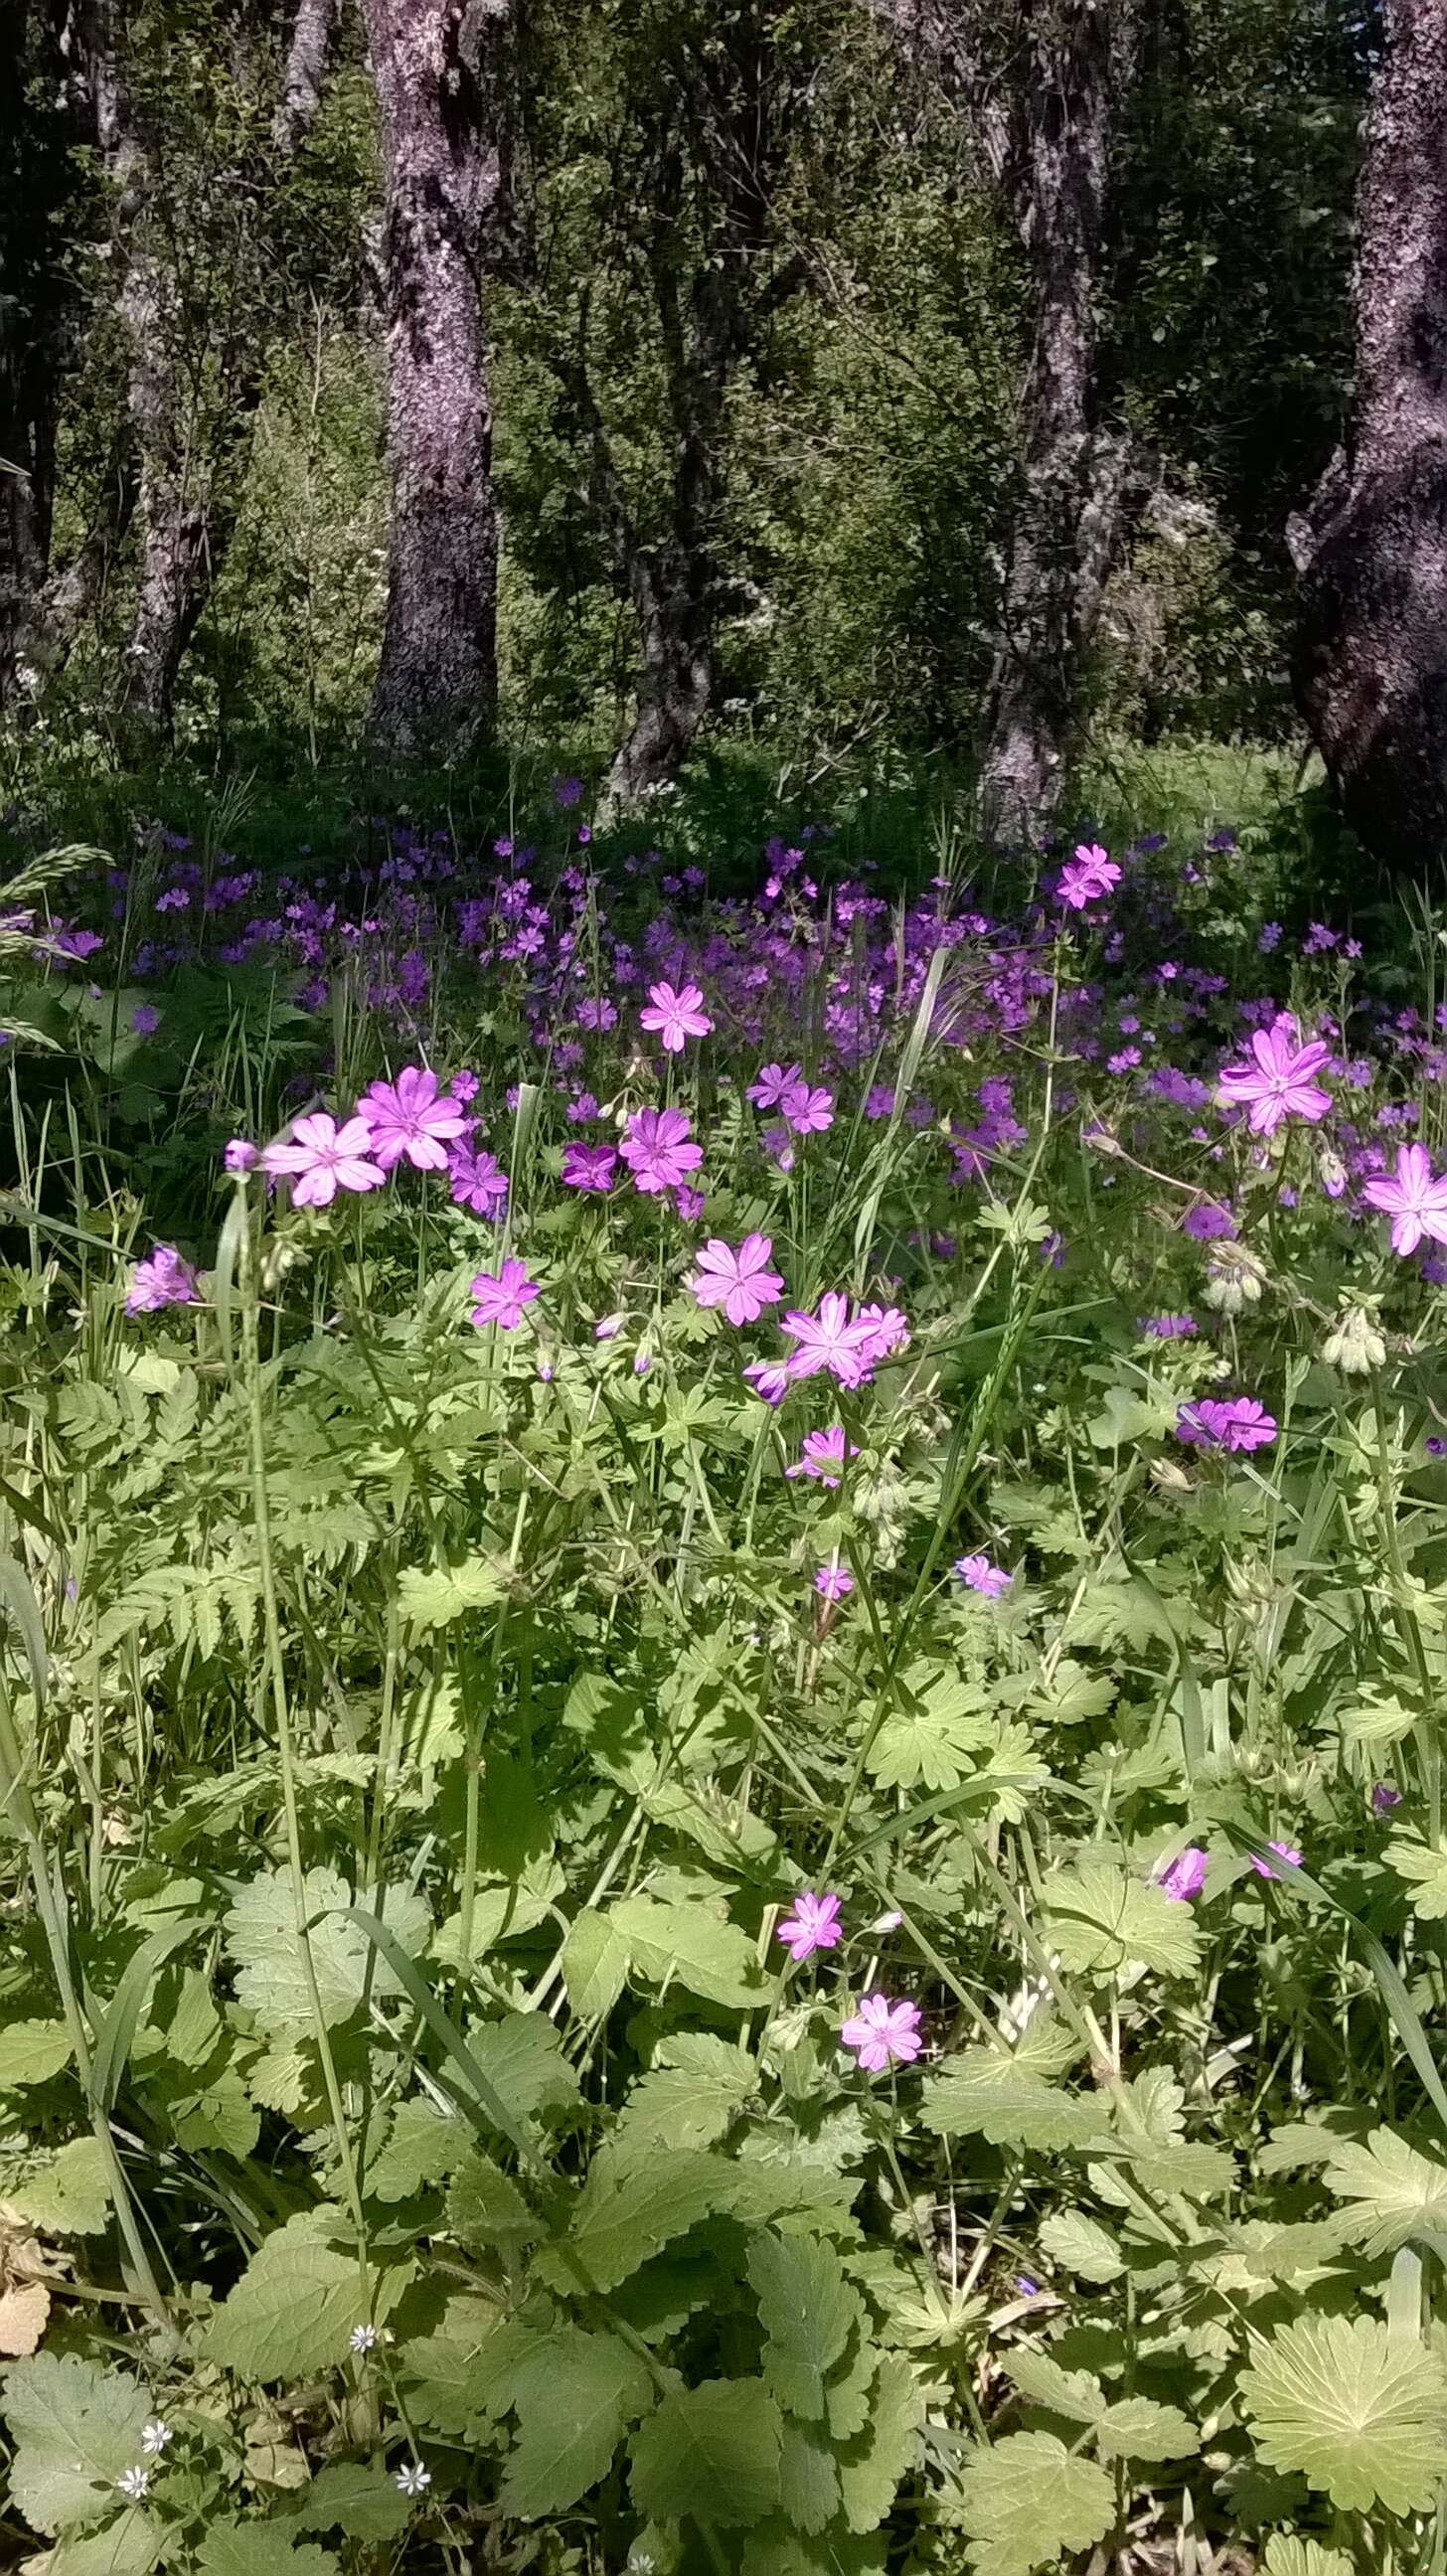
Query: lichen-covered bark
1371, 666
443, 76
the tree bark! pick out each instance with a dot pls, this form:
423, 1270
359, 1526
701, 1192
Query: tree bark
443, 71
37, 126
1040, 87
1371, 663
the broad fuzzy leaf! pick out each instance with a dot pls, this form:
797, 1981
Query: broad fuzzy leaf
1080, 2245
354, 2497
31, 2052
263, 1941
984, 2092
872, 2467
69, 2194
806, 2308
1423, 1868
1138, 2429
1362, 2416
1101, 1921
263, 2548
1396, 2193
295, 2306
76, 2428
1027, 2500
709, 2454
574, 2395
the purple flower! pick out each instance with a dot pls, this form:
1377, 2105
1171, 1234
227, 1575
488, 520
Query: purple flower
1434, 1447
464, 1087
741, 1282
500, 1296
808, 1112
1238, 1423
829, 1341
658, 1150
1288, 1852
1414, 1197
1087, 877
240, 1156
1206, 1222
589, 1167
1385, 1797
769, 1379
161, 1279
677, 1016
979, 1575
1277, 1082
567, 791
145, 1019
1168, 1328
688, 1203
1185, 1876
319, 1158
813, 1925
888, 1332
821, 1452
476, 1180
407, 1117
883, 2034
833, 1584
774, 1083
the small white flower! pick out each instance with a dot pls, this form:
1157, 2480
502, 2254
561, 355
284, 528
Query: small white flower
135, 2484
414, 2479
155, 2436
364, 2338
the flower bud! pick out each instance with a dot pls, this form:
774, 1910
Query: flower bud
1354, 1344
1234, 1277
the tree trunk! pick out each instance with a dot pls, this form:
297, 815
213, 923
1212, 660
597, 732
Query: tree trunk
1371, 665
443, 75
37, 130
1075, 480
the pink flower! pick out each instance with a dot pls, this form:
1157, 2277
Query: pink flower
808, 1112
502, 1295
1276, 1083
240, 1156
769, 1379
407, 1117
477, 1182
829, 1341
688, 1203
1185, 1876
981, 1576
161, 1279
676, 1016
888, 1331
821, 1452
741, 1282
882, 2033
320, 1158
1240, 1423
658, 1150
1091, 874
589, 1167
1288, 1852
833, 1584
773, 1084
813, 1925
1415, 1199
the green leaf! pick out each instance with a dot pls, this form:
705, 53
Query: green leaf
262, 1938
1287, 2556
69, 2194
1101, 1921
871, 2469
1396, 2193
806, 2308
709, 2454
1423, 1867
31, 2052
627, 2212
1075, 2394
1138, 2429
351, 2496
295, 2306
808, 2479
76, 2429
1362, 2416
261, 2548
595, 1966
486, 2211
443, 2369
574, 2394
424, 2145
985, 2092
522, 2058
929, 1738
1080, 2245
432, 1597
684, 2106
687, 1945
1026, 2501
128, 2545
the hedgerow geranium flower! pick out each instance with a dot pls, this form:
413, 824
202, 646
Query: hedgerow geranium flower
773, 1083
240, 1157
1087, 877
883, 2034
829, 1340
477, 1183
1414, 1197
411, 1118
1286, 1851
1168, 1328
319, 1158
677, 1016
1276, 1082
1185, 1875
589, 1167
741, 1282
888, 1332
769, 1379
832, 1583
979, 1575
688, 1203
1239, 1422
821, 1452
163, 1278
808, 1111
813, 1925
1385, 1796
658, 1150
501, 1296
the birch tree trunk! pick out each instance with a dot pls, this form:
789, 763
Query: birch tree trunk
443, 76
1371, 666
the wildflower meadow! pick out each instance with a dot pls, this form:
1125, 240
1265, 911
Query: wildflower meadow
722, 1648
